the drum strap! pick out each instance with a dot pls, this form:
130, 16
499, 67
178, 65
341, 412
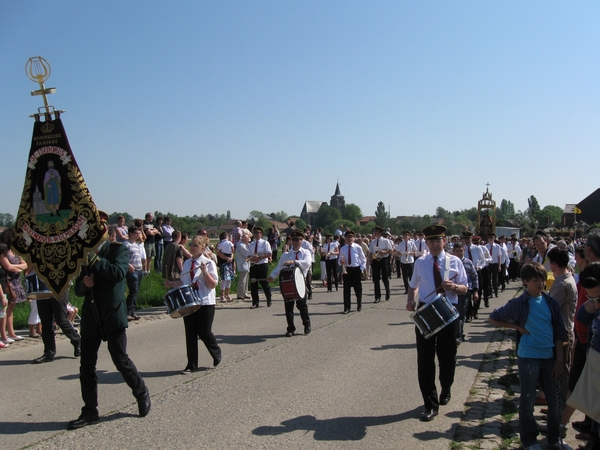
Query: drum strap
447, 269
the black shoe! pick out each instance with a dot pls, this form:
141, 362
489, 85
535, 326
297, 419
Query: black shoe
387, 298
445, 398
289, 334
467, 319
307, 330
427, 416
359, 308
77, 351
43, 359
582, 427
377, 300
310, 297
216, 361
254, 307
188, 370
487, 304
269, 302
144, 403
336, 289
346, 311
83, 421
476, 316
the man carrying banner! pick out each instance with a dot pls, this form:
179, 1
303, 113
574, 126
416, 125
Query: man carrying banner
104, 317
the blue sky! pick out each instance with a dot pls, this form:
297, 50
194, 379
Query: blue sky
196, 107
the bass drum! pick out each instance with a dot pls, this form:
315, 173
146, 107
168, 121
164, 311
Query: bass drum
434, 316
181, 301
292, 284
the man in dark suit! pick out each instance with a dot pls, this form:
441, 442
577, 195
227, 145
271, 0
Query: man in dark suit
104, 318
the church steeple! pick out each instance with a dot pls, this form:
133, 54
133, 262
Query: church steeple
337, 200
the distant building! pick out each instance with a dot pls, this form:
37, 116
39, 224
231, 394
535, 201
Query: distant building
589, 209
311, 207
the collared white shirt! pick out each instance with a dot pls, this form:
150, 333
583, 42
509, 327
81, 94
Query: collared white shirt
329, 247
380, 244
207, 296
495, 252
423, 276
263, 248
404, 248
301, 258
308, 247
357, 258
514, 251
422, 248
475, 254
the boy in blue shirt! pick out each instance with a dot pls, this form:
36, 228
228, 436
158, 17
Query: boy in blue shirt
540, 336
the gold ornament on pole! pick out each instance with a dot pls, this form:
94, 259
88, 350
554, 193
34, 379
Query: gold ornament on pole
38, 70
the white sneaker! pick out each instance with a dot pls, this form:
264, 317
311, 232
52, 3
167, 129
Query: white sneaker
8, 340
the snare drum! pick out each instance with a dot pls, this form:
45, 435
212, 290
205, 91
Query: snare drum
292, 284
181, 301
36, 288
434, 316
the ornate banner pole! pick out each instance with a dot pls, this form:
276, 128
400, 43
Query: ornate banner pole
58, 223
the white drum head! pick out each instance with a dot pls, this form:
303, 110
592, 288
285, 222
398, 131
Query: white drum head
300, 283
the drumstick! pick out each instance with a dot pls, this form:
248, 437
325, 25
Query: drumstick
254, 280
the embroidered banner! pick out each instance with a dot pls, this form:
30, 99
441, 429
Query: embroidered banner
57, 223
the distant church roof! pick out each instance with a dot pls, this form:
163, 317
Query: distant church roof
337, 189
312, 206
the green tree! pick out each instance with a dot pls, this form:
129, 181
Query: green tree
352, 213
549, 216
113, 218
255, 215
300, 224
508, 209
534, 207
264, 223
381, 215
326, 216
280, 216
6, 220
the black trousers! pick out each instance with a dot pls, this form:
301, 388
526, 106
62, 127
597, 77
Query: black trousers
117, 347
484, 284
331, 266
513, 269
260, 272
493, 268
380, 272
442, 344
407, 273
52, 310
199, 325
289, 313
352, 279
308, 282
398, 267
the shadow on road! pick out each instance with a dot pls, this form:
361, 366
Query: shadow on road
338, 429
23, 428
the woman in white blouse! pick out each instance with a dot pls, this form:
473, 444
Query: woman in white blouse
200, 273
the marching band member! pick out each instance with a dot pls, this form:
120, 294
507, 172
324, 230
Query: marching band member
514, 254
379, 252
261, 252
477, 257
421, 245
433, 273
330, 251
495, 265
307, 245
354, 262
200, 273
300, 257
407, 250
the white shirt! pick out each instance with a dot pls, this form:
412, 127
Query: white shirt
422, 248
514, 251
404, 248
357, 258
423, 276
329, 247
264, 248
495, 253
380, 244
207, 296
301, 258
476, 255
308, 246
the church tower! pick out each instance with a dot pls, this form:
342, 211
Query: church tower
337, 200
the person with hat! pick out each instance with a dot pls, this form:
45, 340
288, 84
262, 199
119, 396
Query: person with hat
261, 254
104, 318
329, 252
380, 249
354, 262
299, 257
475, 254
437, 272
420, 244
495, 265
407, 250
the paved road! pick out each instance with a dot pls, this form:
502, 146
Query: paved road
350, 384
